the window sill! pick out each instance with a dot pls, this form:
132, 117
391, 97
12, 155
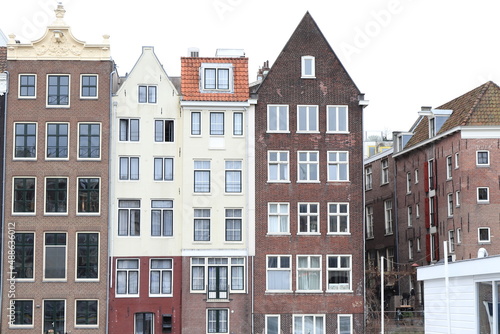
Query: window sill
338, 234
338, 132
309, 233
283, 182
278, 234
306, 181
307, 132
339, 291
17, 214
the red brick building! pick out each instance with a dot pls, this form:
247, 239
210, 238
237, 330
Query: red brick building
56, 160
309, 192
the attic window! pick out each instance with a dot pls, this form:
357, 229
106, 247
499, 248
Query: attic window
308, 67
216, 78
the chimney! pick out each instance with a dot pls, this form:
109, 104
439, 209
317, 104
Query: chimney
262, 72
193, 52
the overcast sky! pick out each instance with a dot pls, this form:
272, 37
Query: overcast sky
403, 54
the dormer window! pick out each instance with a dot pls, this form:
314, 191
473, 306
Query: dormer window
308, 67
216, 78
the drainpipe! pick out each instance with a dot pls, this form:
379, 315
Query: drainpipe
110, 193
3, 186
396, 215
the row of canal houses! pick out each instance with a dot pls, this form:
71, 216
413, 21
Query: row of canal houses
201, 204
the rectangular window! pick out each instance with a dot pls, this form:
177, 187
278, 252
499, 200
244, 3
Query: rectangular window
308, 218
279, 218
308, 273
216, 79
308, 324
345, 324
88, 195
127, 278
24, 195
369, 222
54, 316
197, 274
483, 195
338, 218
337, 119
86, 313
160, 277
233, 225
88, 86
308, 169
216, 123
278, 170
23, 313
388, 216
410, 249
220, 271
451, 241
408, 183
416, 176
338, 166
162, 218
201, 224
164, 131
24, 257
129, 218
87, 256
483, 235
308, 67
144, 323
279, 273
450, 205
368, 178
196, 123
449, 167
55, 256
483, 158
25, 140
457, 160
237, 274
202, 176
459, 235
57, 140
339, 272
27, 85
233, 177
238, 124
129, 129
385, 171
163, 169
307, 118
457, 198
277, 118
129, 168
272, 324
430, 172
147, 94
58, 90
217, 278
89, 141
217, 321
410, 216
56, 195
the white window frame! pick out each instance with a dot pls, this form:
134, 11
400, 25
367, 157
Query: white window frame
98, 257
14, 135
281, 166
60, 279
310, 111
76, 313
417, 210
368, 178
488, 156
451, 241
195, 126
416, 176
450, 204
369, 222
89, 97
238, 124
308, 215
203, 167
408, 183
449, 167
339, 287
56, 213
343, 316
19, 326
217, 128
160, 171
127, 134
163, 206
47, 105
127, 283
65, 311
281, 269
200, 214
483, 201
147, 99
338, 160
19, 96
162, 271
419, 247
89, 213
204, 263
280, 111
304, 70
278, 216
47, 140
100, 142
130, 209
389, 228
457, 160
384, 166
160, 134
233, 178
309, 163
309, 269
274, 316
226, 310
315, 318
339, 216
217, 67
233, 214
409, 211
333, 113
483, 241
23, 213
459, 235
410, 249
129, 175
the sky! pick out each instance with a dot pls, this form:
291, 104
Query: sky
403, 54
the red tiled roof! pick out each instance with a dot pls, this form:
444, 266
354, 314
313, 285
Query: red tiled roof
480, 107
190, 79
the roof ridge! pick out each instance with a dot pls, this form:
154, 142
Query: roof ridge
478, 100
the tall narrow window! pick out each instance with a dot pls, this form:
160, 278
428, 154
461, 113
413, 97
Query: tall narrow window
277, 118
164, 130
451, 241
307, 118
163, 169
54, 316
450, 204
385, 171
309, 273
88, 195
24, 195
308, 218
27, 86
87, 256
202, 176
25, 140
55, 256
201, 224
368, 178
369, 222
337, 119
338, 218
160, 277
127, 277
24, 258
278, 166
308, 67
279, 273
216, 123
147, 94
233, 177
409, 211
238, 124
58, 90
308, 166
272, 324
162, 221
196, 123
279, 218
88, 86
129, 168
89, 141
129, 218
56, 195
233, 225
57, 140
408, 182
144, 323
449, 167
388, 216
129, 129
338, 166
345, 323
